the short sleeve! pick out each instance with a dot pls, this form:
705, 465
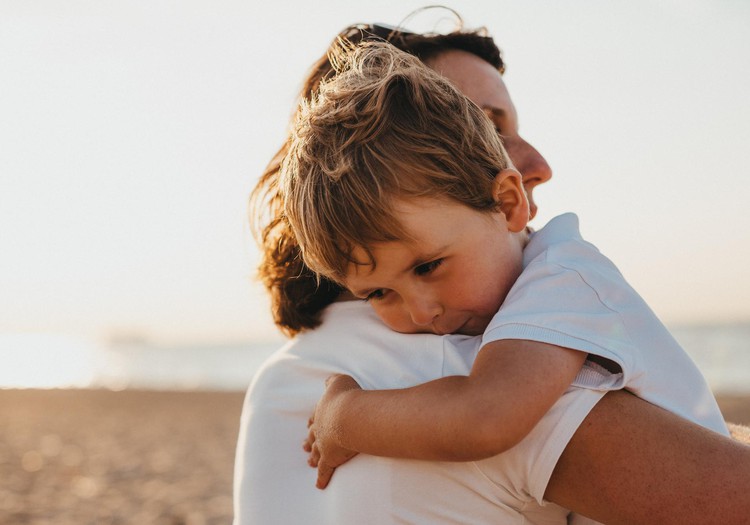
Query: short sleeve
564, 306
526, 468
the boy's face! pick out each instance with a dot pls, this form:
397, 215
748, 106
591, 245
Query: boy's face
452, 278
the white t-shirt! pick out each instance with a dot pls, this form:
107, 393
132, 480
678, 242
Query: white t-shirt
572, 296
274, 484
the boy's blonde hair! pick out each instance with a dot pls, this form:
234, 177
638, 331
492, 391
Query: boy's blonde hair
384, 127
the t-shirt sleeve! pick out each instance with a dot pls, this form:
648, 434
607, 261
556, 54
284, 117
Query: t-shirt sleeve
553, 433
565, 306
527, 468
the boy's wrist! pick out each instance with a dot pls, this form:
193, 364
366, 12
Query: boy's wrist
341, 394
347, 416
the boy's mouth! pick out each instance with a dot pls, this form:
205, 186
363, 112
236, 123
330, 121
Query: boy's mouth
472, 326
441, 330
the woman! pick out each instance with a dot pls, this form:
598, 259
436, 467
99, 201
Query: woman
590, 453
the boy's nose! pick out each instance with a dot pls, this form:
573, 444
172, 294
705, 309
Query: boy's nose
423, 312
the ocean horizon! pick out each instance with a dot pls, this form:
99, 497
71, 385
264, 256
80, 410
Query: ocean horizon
721, 352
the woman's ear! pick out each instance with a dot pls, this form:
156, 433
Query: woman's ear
508, 192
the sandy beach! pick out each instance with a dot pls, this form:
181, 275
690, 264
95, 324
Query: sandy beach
101, 457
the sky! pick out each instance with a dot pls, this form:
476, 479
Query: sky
131, 133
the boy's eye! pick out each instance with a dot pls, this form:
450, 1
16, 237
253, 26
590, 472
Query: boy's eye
424, 269
374, 295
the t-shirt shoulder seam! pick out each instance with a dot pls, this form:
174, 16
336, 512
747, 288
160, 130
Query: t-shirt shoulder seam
598, 296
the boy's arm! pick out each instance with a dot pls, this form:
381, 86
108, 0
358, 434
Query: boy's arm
512, 384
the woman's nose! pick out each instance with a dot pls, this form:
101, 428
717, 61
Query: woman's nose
533, 167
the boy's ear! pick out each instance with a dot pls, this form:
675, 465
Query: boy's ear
508, 192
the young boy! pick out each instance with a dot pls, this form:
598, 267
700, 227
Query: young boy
398, 187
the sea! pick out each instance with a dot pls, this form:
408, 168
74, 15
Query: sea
722, 353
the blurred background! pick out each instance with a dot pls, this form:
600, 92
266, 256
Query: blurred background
131, 133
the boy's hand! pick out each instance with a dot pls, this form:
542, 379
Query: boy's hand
321, 443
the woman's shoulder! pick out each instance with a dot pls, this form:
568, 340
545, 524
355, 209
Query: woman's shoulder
352, 339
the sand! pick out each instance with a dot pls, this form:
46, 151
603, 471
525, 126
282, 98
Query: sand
99, 457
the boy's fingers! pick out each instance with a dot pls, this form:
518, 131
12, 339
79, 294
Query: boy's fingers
324, 475
307, 443
310, 436
314, 456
